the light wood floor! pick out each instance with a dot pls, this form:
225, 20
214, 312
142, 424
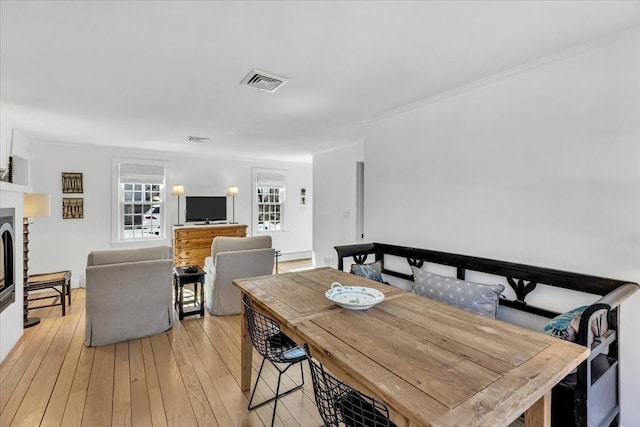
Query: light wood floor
187, 376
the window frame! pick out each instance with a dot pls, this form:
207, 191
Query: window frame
118, 222
273, 179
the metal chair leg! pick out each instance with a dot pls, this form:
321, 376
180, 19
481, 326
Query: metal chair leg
278, 395
275, 403
255, 386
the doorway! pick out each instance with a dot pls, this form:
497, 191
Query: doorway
359, 202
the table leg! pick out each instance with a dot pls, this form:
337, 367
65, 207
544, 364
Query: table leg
202, 296
539, 415
175, 291
181, 302
246, 352
69, 291
63, 302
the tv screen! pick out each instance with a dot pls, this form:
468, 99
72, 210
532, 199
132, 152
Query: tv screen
204, 208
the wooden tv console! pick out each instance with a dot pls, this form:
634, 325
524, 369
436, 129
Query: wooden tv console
192, 243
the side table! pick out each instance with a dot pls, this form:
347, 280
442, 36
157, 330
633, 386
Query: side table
181, 278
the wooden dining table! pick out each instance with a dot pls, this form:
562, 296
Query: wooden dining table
432, 364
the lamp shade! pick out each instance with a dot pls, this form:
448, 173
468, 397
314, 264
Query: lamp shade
36, 205
177, 190
233, 191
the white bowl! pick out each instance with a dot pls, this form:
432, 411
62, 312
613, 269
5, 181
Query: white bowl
354, 297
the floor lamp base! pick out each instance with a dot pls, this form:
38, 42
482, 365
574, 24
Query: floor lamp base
31, 321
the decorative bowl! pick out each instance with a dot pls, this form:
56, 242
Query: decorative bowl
354, 297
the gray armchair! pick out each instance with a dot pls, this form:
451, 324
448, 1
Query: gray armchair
234, 258
129, 294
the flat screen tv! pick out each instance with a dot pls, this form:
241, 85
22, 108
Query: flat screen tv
206, 208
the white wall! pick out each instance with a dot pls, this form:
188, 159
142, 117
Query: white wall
58, 244
334, 211
542, 168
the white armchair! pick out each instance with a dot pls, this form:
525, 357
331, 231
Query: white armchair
129, 294
234, 258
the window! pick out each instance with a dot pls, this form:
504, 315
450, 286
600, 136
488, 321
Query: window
140, 200
141, 207
269, 202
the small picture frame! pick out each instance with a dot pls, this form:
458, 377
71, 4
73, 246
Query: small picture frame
72, 182
72, 208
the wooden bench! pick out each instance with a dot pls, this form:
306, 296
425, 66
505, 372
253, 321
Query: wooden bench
59, 279
588, 397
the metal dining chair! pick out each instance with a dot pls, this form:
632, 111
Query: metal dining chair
338, 403
274, 346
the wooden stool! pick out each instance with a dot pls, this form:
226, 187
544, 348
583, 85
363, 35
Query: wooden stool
60, 279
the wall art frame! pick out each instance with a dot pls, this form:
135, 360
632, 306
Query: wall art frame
72, 208
72, 182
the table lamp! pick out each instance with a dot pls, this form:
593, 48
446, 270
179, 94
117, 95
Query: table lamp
34, 205
178, 190
233, 192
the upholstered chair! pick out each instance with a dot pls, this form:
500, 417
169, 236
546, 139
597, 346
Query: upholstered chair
234, 258
129, 294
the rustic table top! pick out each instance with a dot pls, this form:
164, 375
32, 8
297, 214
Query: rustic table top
431, 363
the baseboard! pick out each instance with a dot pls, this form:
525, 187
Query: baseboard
293, 256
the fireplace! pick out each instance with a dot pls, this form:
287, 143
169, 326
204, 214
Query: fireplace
7, 258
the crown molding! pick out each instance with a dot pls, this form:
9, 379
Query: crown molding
549, 59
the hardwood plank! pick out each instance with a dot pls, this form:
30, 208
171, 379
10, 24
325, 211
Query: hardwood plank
10, 383
222, 417
77, 397
177, 406
11, 359
35, 403
206, 349
236, 402
140, 406
156, 403
99, 403
227, 353
121, 411
18, 394
57, 402
197, 397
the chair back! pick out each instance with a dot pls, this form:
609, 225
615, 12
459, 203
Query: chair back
268, 339
129, 294
338, 403
232, 244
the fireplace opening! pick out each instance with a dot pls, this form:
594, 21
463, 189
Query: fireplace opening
7, 258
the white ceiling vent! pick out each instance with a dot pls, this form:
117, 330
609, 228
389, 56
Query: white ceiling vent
264, 81
197, 138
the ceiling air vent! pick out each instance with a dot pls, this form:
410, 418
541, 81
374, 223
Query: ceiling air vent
264, 81
197, 138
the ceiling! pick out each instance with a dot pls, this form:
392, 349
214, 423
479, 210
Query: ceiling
147, 74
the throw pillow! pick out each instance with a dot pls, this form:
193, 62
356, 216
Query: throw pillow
475, 297
372, 271
565, 326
